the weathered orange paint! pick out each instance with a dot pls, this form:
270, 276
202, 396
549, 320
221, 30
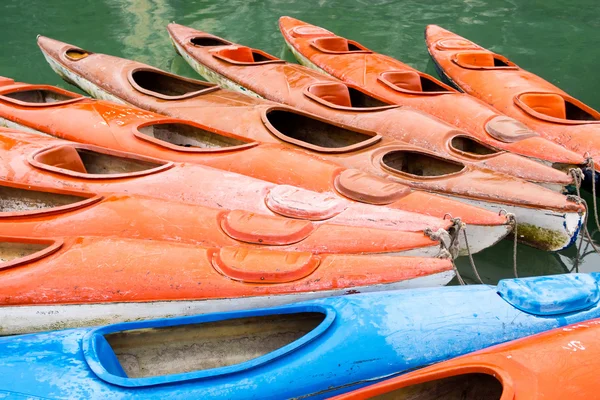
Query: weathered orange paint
504, 87
555, 365
106, 270
301, 87
202, 185
386, 77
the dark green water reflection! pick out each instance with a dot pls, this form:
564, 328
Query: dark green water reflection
555, 39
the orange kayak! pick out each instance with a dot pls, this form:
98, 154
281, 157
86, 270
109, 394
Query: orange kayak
543, 224
554, 365
32, 159
396, 82
31, 211
515, 92
83, 281
28, 158
233, 66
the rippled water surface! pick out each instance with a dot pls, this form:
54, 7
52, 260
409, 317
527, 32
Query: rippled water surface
556, 39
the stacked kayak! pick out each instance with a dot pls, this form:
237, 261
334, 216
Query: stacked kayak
546, 219
59, 282
560, 364
518, 93
316, 348
383, 76
39, 212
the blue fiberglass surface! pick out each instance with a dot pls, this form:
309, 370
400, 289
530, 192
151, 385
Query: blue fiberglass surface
558, 294
370, 337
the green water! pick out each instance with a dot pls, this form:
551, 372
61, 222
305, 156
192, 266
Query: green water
555, 39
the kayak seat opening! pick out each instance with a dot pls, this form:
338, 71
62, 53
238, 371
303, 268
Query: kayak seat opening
412, 81
88, 161
556, 106
482, 60
183, 349
245, 55
185, 135
167, 85
471, 147
342, 95
39, 96
314, 133
76, 54
18, 200
473, 386
419, 164
11, 251
208, 41
338, 45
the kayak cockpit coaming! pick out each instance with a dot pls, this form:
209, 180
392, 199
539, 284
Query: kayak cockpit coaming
18, 251
22, 202
341, 96
467, 146
469, 385
39, 96
314, 133
245, 56
338, 45
165, 86
483, 60
149, 353
418, 165
91, 162
75, 54
413, 82
189, 137
209, 41
556, 108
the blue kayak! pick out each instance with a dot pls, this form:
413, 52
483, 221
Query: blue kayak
315, 348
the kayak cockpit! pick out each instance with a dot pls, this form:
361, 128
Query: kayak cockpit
241, 55
189, 137
87, 161
167, 86
471, 386
209, 41
155, 352
470, 147
413, 82
21, 201
40, 96
314, 133
343, 97
482, 60
419, 165
338, 45
76, 54
555, 107
16, 251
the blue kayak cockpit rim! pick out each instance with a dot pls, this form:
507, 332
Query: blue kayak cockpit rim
102, 360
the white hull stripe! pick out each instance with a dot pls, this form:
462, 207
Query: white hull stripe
26, 319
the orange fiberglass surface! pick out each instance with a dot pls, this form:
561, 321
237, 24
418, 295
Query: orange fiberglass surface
29, 158
383, 76
515, 92
555, 365
133, 181
255, 72
109, 77
53, 282
31, 211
